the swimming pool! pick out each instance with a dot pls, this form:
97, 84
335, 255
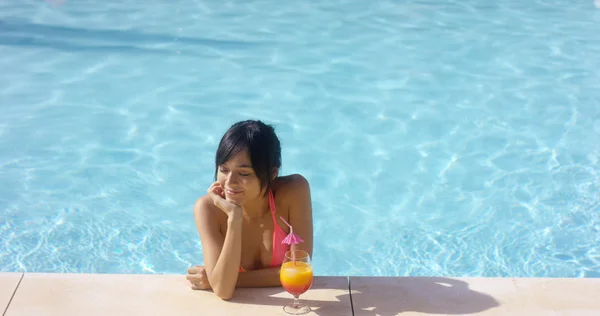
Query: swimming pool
455, 138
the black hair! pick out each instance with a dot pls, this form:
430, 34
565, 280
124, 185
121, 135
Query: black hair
262, 144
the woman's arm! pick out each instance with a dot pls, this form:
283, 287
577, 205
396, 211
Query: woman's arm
222, 254
268, 277
259, 278
300, 212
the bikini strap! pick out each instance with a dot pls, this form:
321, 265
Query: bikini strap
272, 205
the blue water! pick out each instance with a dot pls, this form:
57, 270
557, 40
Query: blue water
440, 137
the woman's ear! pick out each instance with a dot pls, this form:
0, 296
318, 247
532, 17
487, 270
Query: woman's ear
274, 173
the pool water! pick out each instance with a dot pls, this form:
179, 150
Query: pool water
440, 137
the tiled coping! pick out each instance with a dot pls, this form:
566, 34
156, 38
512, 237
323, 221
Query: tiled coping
107, 294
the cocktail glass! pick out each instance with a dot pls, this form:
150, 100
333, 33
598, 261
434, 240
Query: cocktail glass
296, 277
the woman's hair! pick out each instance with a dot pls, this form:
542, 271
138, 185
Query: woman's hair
262, 144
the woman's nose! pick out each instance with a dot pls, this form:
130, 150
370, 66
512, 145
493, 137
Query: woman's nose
232, 178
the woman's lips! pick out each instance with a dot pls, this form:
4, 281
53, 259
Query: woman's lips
232, 192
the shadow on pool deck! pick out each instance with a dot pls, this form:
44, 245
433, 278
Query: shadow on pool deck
434, 295
268, 297
393, 296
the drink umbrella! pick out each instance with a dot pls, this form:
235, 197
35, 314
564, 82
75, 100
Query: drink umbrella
291, 239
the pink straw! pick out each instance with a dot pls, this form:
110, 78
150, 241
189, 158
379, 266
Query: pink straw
290, 226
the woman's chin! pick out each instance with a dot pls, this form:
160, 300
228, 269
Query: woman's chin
237, 200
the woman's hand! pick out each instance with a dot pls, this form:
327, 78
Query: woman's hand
198, 278
217, 194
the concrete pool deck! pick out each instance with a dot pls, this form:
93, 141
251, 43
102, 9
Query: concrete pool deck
109, 294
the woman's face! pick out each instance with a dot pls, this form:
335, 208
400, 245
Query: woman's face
238, 179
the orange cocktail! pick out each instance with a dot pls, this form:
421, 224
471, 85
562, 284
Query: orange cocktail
296, 277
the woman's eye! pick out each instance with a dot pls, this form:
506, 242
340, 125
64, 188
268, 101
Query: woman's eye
244, 174
223, 170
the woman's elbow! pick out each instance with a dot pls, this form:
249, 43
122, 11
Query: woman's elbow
224, 294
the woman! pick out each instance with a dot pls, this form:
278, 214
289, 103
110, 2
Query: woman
239, 219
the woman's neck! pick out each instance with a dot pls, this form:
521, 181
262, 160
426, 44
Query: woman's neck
256, 209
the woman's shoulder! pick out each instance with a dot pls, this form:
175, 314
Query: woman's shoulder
205, 208
291, 186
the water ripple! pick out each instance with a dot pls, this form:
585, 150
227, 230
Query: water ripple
439, 137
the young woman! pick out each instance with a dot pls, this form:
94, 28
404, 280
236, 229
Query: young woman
239, 219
